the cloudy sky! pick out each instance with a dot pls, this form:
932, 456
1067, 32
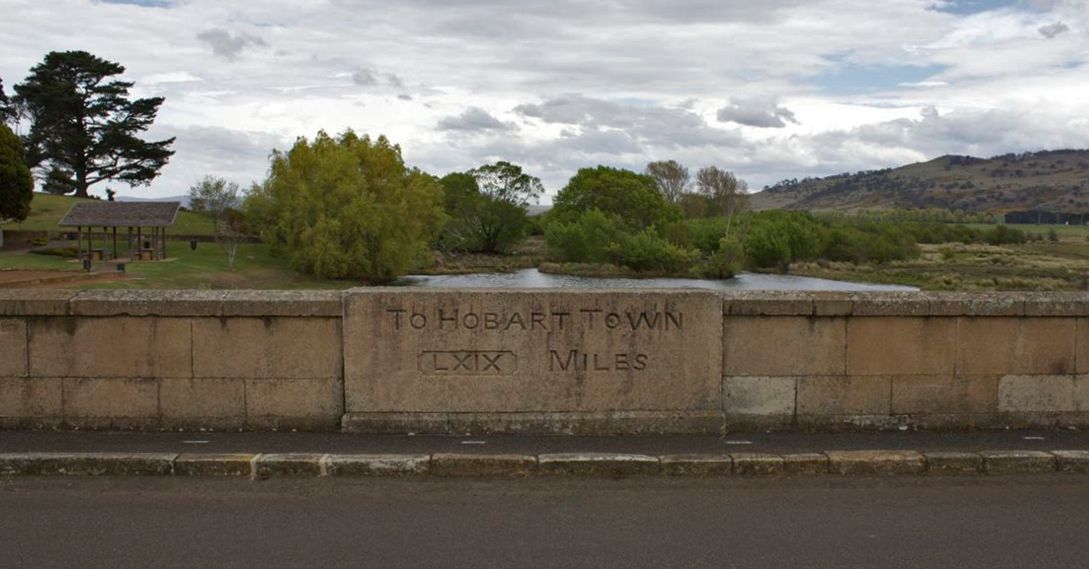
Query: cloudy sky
770, 90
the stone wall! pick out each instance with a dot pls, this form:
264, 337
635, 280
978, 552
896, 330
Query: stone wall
161, 359
571, 361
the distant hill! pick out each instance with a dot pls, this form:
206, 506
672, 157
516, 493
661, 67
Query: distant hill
1054, 180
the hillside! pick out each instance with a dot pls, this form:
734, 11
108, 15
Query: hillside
46, 211
1055, 181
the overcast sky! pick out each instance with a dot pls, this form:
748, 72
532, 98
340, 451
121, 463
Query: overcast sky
770, 90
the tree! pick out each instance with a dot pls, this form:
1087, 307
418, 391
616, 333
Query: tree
487, 208
7, 109
220, 200
347, 207
16, 184
84, 127
724, 190
670, 177
633, 197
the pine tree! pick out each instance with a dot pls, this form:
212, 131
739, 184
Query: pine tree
84, 127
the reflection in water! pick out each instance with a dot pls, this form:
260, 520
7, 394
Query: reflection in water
532, 278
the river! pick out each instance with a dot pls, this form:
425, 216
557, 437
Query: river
532, 278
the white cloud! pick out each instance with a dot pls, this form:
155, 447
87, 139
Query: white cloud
561, 84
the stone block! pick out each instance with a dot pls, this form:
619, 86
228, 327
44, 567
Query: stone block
136, 302
396, 423
805, 463
900, 346
203, 402
1081, 355
757, 464
696, 465
528, 351
13, 361
609, 465
875, 462
35, 302
117, 398
267, 348
1015, 346
110, 347
1076, 461
287, 465
944, 394
487, 465
1018, 462
891, 303
22, 397
286, 303
1037, 393
767, 303
213, 464
953, 462
314, 401
764, 396
841, 395
376, 464
783, 346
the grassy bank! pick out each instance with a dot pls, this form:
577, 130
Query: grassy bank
46, 211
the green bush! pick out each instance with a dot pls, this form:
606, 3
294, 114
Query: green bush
586, 239
646, 251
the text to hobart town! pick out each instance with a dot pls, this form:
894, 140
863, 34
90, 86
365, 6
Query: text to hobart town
592, 319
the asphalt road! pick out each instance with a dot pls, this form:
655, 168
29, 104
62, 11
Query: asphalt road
984, 522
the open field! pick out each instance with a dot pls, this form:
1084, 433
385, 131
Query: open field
47, 211
205, 268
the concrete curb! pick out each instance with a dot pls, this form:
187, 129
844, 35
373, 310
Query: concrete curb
584, 465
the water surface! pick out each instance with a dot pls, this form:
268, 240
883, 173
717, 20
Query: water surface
532, 278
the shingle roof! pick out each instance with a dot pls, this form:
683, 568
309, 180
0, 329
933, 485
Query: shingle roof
121, 214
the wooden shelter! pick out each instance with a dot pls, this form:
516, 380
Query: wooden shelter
135, 217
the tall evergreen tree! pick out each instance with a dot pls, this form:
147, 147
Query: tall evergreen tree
7, 110
84, 127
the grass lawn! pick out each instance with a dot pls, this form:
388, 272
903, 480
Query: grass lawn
205, 268
46, 211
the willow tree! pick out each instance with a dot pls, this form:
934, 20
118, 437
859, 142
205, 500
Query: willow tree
347, 207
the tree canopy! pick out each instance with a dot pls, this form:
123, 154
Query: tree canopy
347, 207
16, 184
671, 177
84, 127
7, 110
487, 208
633, 197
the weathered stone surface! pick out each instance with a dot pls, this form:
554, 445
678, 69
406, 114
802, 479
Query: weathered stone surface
612, 465
767, 303
1017, 462
136, 302
30, 397
783, 346
287, 303
890, 303
1037, 393
844, 395
110, 399
13, 360
86, 463
1009, 346
213, 464
288, 465
491, 465
110, 347
871, 462
900, 346
376, 464
35, 302
1081, 345
211, 403
1072, 460
953, 462
976, 304
805, 463
944, 394
314, 401
758, 464
267, 348
761, 396
516, 351
696, 465
396, 423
